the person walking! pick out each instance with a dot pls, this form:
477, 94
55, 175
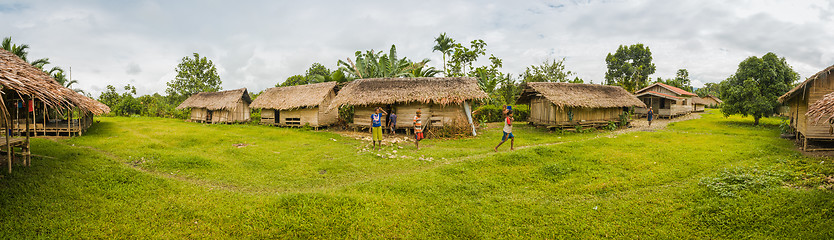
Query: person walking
376, 127
650, 116
508, 129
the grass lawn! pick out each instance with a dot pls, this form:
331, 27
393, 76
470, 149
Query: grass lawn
712, 177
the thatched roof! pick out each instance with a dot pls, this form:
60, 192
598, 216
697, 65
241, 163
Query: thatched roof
822, 110
25, 79
443, 91
670, 88
796, 90
580, 95
714, 98
699, 100
222, 100
301, 96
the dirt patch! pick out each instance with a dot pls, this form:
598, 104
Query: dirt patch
641, 124
387, 139
240, 145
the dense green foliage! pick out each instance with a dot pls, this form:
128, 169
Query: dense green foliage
681, 80
492, 113
164, 178
756, 85
194, 75
444, 45
549, 71
629, 67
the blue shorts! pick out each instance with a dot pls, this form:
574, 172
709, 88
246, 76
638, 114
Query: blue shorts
504, 138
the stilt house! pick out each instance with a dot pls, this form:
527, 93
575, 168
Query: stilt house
298, 105
443, 101
569, 104
231, 106
811, 92
666, 101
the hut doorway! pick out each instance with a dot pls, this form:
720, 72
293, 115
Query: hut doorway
208, 116
389, 110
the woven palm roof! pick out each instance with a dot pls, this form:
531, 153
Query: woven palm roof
699, 100
822, 110
580, 95
223, 100
443, 91
670, 88
292, 97
796, 90
25, 79
714, 98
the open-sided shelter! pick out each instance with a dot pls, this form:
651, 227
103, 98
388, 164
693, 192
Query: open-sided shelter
798, 100
298, 105
33, 102
230, 106
442, 100
665, 100
570, 104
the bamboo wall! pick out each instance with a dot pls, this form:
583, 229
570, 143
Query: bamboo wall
325, 117
198, 114
544, 112
300, 117
268, 116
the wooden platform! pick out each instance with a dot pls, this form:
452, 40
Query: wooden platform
16, 142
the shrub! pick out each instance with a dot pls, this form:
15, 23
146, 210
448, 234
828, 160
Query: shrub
492, 113
731, 181
459, 127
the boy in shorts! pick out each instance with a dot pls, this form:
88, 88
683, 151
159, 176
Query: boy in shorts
508, 129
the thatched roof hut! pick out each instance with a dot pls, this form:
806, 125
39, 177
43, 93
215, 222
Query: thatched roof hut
297, 105
219, 107
808, 108
25, 80
443, 101
441, 91
569, 104
580, 95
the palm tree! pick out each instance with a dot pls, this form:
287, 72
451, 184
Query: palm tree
444, 45
418, 69
20, 51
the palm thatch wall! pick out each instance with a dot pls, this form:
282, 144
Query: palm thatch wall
441, 100
569, 104
219, 107
297, 105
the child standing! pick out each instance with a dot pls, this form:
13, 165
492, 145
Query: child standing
376, 127
508, 129
418, 129
392, 122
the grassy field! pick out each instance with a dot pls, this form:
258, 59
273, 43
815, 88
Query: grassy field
712, 177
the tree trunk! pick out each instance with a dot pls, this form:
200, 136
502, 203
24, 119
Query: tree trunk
756, 121
445, 72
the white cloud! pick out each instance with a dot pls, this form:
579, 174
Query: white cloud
256, 44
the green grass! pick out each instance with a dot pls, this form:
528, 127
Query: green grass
713, 177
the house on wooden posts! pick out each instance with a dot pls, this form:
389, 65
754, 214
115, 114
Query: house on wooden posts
230, 106
298, 105
712, 101
442, 101
33, 103
563, 105
699, 104
666, 101
809, 108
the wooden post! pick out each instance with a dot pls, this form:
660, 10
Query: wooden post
25, 152
69, 122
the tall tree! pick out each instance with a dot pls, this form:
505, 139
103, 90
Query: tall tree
444, 45
549, 71
194, 75
463, 57
756, 85
713, 89
317, 73
629, 67
681, 80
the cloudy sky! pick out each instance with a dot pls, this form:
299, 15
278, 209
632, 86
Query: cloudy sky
256, 44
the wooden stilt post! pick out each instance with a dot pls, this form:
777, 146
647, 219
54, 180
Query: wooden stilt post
25, 152
69, 122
